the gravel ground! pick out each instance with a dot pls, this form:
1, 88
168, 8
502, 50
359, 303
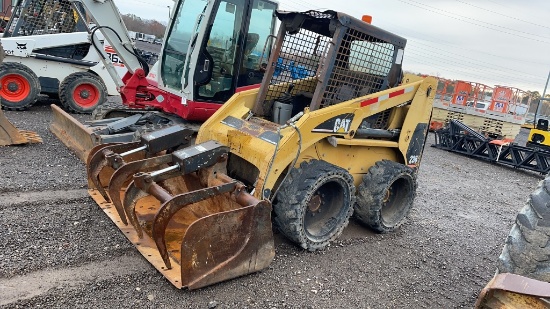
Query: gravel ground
59, 250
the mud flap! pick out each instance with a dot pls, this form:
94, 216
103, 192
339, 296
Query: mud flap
10, 135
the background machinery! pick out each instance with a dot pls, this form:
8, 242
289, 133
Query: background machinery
48, 50
307, 149
459, 138
211, 51
539, 135
523, 276
9, 134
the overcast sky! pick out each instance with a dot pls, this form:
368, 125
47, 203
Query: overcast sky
495, 42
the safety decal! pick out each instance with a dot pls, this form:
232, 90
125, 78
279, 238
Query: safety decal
390, 95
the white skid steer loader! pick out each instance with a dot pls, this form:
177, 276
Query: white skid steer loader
48, 50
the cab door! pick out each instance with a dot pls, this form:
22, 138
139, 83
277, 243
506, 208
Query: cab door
233, 47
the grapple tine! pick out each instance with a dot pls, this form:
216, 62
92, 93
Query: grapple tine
178, 202
121, 175
131, 196
101, 158
95, 150
98, 153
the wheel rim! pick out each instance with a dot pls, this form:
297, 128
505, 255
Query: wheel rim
15, 88
86, 95
395, 201
323, 210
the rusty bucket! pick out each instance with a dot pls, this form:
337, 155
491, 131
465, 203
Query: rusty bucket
10, 135
194, 223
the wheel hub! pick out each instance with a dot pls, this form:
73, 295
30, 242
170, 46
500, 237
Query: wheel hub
314, 203
13, 87
84, 94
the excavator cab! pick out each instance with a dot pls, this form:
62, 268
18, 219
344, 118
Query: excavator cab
207, 45
211, 51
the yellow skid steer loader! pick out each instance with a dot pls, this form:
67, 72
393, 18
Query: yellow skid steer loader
334, 128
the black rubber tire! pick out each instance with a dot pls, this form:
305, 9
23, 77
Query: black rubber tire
295, 219
30, 79
385, 196
527, 248
69, 85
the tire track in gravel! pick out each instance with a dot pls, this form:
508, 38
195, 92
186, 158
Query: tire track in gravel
19, 198
41, 282
42, 231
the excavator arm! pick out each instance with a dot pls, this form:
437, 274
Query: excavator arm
106, 16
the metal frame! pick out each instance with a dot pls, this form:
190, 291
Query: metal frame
319, 47
459, 138
39, 17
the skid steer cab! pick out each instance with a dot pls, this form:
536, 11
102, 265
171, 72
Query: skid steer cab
342, 131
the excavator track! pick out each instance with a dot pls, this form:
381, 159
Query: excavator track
108, 110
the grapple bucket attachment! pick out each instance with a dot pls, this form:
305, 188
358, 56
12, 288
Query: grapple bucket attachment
10, 135
195, 224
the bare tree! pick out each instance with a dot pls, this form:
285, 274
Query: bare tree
148, 26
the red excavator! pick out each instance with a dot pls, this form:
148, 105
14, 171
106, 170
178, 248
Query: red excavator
211, 51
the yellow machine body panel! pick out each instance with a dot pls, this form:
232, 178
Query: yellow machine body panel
255, 139
540, 138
